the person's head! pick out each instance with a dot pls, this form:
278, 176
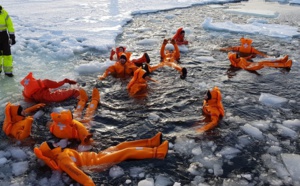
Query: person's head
207, 95
17, 113
121, 49
123, 58
182, 32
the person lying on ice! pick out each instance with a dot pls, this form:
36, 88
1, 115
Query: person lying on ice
213, 108
116, 54
65, 127
17, 122
71, 161
43, 91
179, 37
137, 87
171, 56
245, 50
241, 62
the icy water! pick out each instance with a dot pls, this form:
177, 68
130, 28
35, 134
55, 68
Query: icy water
173, 106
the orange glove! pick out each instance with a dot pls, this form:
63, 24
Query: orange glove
71, 82
173, 41
165, 41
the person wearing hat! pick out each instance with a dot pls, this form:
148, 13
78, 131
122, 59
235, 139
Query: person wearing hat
121, 69
179, 37
7, 38
212, 108
170, 56
43, 91
70, 161
17, 123
245, 49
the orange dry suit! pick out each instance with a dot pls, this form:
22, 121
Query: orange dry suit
170, 58
137, 87
179, 37
64, 126
120, 70
241, 62
15, 123
70, 161
43, 90
213, 107
245, 50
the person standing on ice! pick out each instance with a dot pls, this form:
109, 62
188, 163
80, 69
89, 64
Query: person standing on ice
7, 38
72, 162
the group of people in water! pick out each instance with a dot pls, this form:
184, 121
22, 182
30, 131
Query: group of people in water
67, 125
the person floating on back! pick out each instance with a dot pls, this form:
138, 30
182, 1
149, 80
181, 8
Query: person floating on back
245, 49
243, 63
71, 161
171, 56
179, 37
66, 127
44, 91
212, 108
116, 54
17, 122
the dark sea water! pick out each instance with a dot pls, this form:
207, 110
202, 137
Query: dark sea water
173, 105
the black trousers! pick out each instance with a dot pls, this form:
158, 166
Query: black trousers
4, 44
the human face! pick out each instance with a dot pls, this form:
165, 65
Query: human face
122, 61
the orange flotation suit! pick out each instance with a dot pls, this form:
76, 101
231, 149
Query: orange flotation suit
39, 90
120, 70
137, 87
241, 62
70, 161
16, 125
245, 50
213, 107
179, 38
64, 126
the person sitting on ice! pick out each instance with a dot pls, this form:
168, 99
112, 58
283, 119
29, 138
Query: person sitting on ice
44, 91
179, 37
17, 122
64, 126
138, 87
212, 108
171, 56
243, 63
245, 49
71, 161
116, 54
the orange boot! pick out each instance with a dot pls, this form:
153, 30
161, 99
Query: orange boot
141, 60
83, 98
161, 151
92, 106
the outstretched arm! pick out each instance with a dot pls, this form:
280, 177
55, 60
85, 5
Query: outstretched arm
234, 48
34, 108
108, 71
210, 125
259, 52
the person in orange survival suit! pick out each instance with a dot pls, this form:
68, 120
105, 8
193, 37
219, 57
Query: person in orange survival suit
70, 161
137, 87
179, 37
245, 50
121, 69
170, 57
241, 62
115, 56
64, 126
17, 123
43, 90
213, 108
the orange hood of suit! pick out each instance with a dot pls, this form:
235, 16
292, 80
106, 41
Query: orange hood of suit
246, 46
214, 105
31, 85
137, 84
